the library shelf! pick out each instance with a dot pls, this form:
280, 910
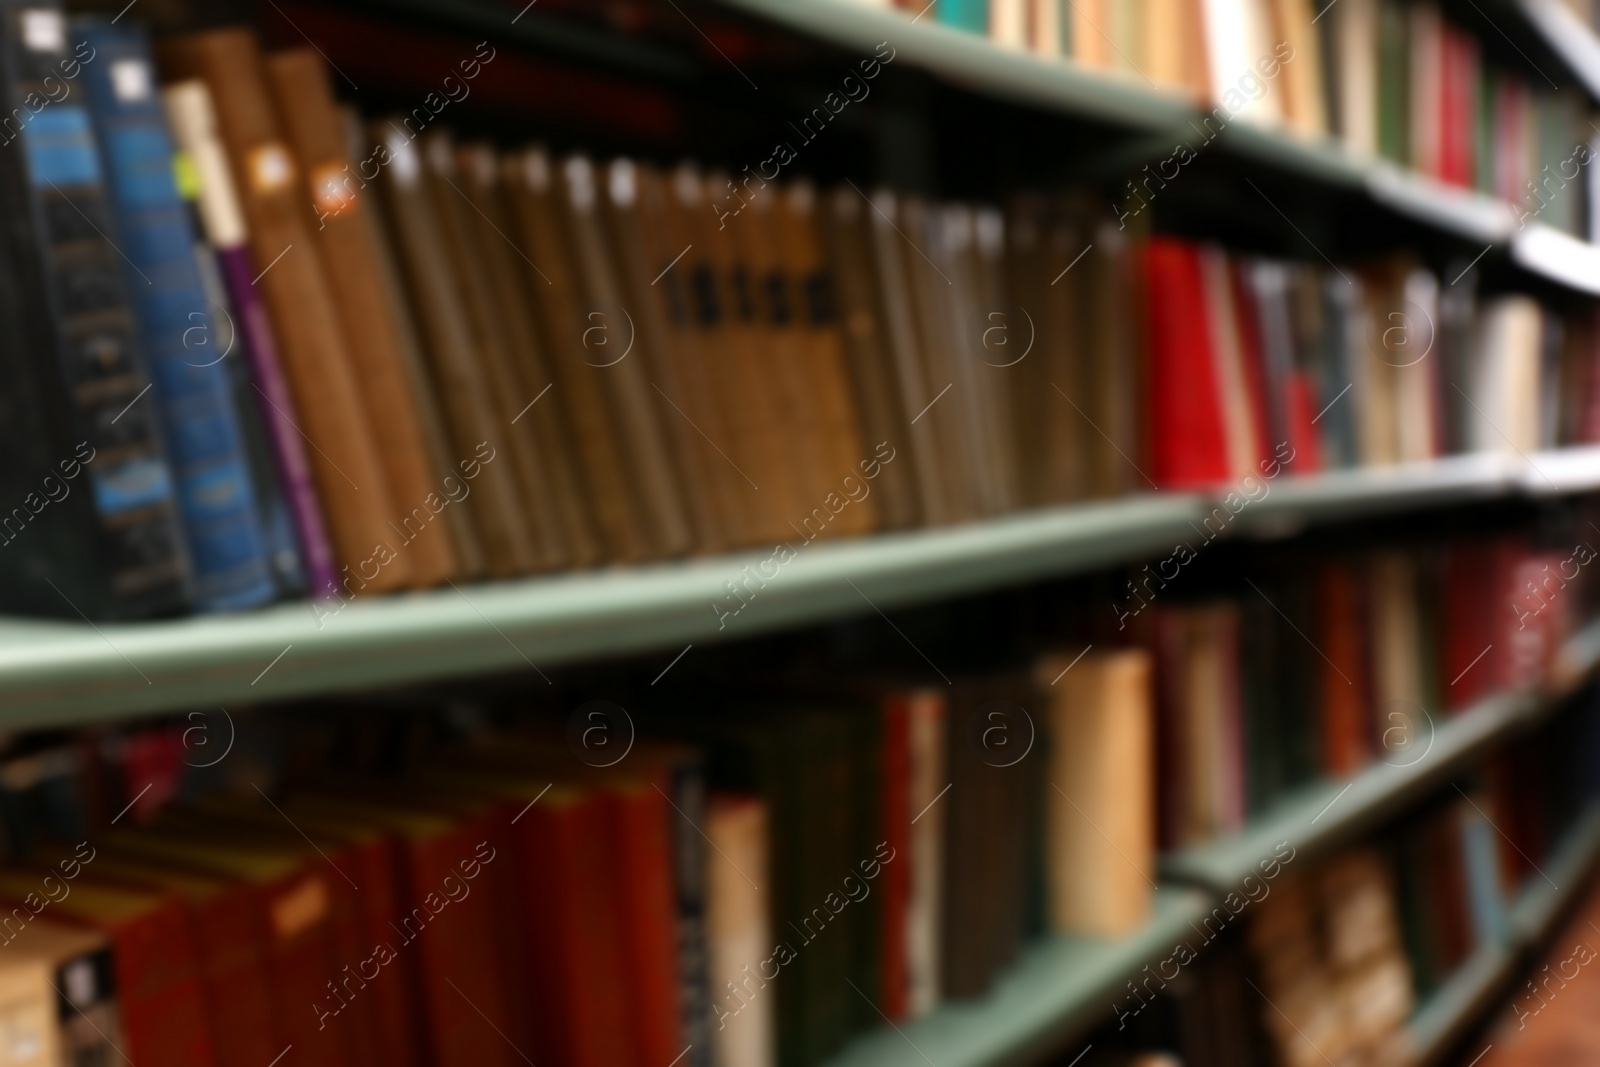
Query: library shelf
1060, 987
56, 672
1327, 813
1458, 1006
1054, 84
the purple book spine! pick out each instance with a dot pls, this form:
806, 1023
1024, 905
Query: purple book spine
277, 415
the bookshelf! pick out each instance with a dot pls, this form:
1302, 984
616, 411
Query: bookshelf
56, 673
1057, 85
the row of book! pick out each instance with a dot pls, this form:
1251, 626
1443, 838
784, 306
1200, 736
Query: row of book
1390, 79
1317, 671
351, 333
767, 867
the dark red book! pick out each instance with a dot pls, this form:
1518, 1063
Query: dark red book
639, 815
1188, 444
896, 879
1345, 677
1469, 669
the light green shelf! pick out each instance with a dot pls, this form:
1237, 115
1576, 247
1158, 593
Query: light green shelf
1463, 1001
1060, 987
54, 672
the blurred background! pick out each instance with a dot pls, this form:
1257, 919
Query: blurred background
799, 533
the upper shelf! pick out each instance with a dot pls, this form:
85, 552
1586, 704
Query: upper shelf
1056, 84
54, 672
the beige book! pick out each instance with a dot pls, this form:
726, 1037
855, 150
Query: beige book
1417, 429
1100, 810
1355, 34
1008, 23
738, 938
1045, 26
1301, 78
45, 963
1397, 642
1090, 23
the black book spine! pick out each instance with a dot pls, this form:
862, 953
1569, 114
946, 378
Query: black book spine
94, 409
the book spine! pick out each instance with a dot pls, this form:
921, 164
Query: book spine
101, 370
271, 390
214, 489
217, 339
688, 867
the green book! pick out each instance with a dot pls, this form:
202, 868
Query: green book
1394, 83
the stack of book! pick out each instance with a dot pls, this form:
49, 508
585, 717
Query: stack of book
1389, 79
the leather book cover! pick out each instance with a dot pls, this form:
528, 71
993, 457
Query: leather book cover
298, 79
578, 341
462, 227
464, 535
658, 509
354, 490
654, 279
509, 275
458, 376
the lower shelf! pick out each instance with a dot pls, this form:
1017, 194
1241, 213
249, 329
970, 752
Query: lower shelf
1462, 1002
1060, 985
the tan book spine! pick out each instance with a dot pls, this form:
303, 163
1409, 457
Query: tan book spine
688, 217
1090, 24
1100, 816
884, 420
578, 339
349, 475
738, 928
661, 523
460, 226
904, 334
457, 374
464, 535
510, 275
658, 292
298, 79
843, 447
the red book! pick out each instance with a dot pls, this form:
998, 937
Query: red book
573, 898
155, 962
639, 815
229, 927
1468, 668
1461, 76
1188, 444
1346, 691
896, 883
1303, 436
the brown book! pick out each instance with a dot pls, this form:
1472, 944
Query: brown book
1033, 401
771, 433
457, 372
661, 522
994, 342
468, 543
349, 473
842, 447
1108, 432
510, 273
715, 394
298, 79
467, 236
883, 417
572, 339
903, 332
657, 291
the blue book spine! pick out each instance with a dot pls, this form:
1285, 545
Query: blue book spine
227, 547
969, 15
1485, 897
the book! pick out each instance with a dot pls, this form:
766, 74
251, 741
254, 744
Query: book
306, 112
203, 160
1100, 822
60, 1003
114, 548
354, 492
738, 931
205, 445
